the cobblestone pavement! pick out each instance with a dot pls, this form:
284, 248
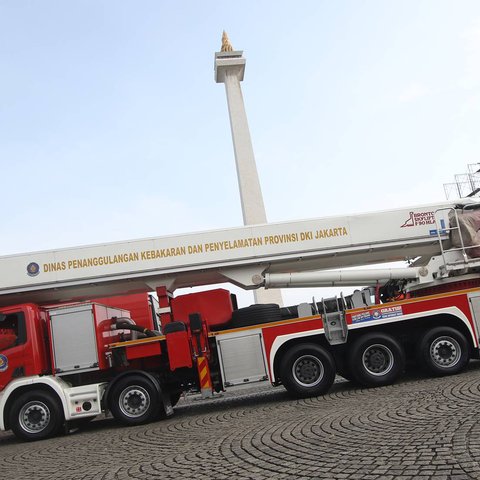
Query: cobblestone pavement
420, 428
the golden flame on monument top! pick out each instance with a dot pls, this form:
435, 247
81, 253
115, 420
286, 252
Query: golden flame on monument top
226, 45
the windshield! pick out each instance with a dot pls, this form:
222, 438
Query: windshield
12, 330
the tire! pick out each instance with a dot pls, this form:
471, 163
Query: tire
36, 415
307, 370
376, 359
256, 314
443, 351
133, 400
175, 397
345, 373
289, 312
342, 367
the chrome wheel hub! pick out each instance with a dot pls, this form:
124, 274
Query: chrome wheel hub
34, 417
445, 352
134, 401
378, 359
308, 371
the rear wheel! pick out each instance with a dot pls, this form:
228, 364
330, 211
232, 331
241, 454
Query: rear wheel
376, 359
345, 373
443, 351
307, 370
342, 367
36, 415
134, 400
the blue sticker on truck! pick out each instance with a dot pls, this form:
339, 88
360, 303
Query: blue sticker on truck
377, 314
3, 363
442, 231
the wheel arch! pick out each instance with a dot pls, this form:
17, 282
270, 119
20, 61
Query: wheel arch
51, 386
316, 338
449, 320
452, 360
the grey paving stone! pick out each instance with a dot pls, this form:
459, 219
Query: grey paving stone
417, 429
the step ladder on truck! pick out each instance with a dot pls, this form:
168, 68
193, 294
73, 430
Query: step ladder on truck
81, 334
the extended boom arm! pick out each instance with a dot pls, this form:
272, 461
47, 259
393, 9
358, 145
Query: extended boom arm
247, 256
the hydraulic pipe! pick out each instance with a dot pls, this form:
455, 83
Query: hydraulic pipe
340, 277
124, 323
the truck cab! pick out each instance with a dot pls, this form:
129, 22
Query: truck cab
23, 348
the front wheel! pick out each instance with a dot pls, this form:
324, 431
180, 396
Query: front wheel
376, 359
134, 400
36, 415
307, 370
443, 351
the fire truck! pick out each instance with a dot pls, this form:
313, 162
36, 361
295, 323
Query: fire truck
81, 333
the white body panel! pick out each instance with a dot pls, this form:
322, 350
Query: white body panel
71, 398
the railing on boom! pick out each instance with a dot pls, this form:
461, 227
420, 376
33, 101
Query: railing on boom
444, 235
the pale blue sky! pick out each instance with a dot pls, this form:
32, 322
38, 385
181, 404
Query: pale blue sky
112, 127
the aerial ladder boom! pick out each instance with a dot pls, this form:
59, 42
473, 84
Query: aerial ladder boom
250, 256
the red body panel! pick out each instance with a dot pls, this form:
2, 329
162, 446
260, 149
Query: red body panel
29, 358
143, 350
137, 304
164, 297
293, 327
179, 350
215, 307
105, 335
468, 284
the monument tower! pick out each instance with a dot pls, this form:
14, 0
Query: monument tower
230, 69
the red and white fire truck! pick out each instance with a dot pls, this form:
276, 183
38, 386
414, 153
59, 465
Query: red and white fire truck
80, 333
